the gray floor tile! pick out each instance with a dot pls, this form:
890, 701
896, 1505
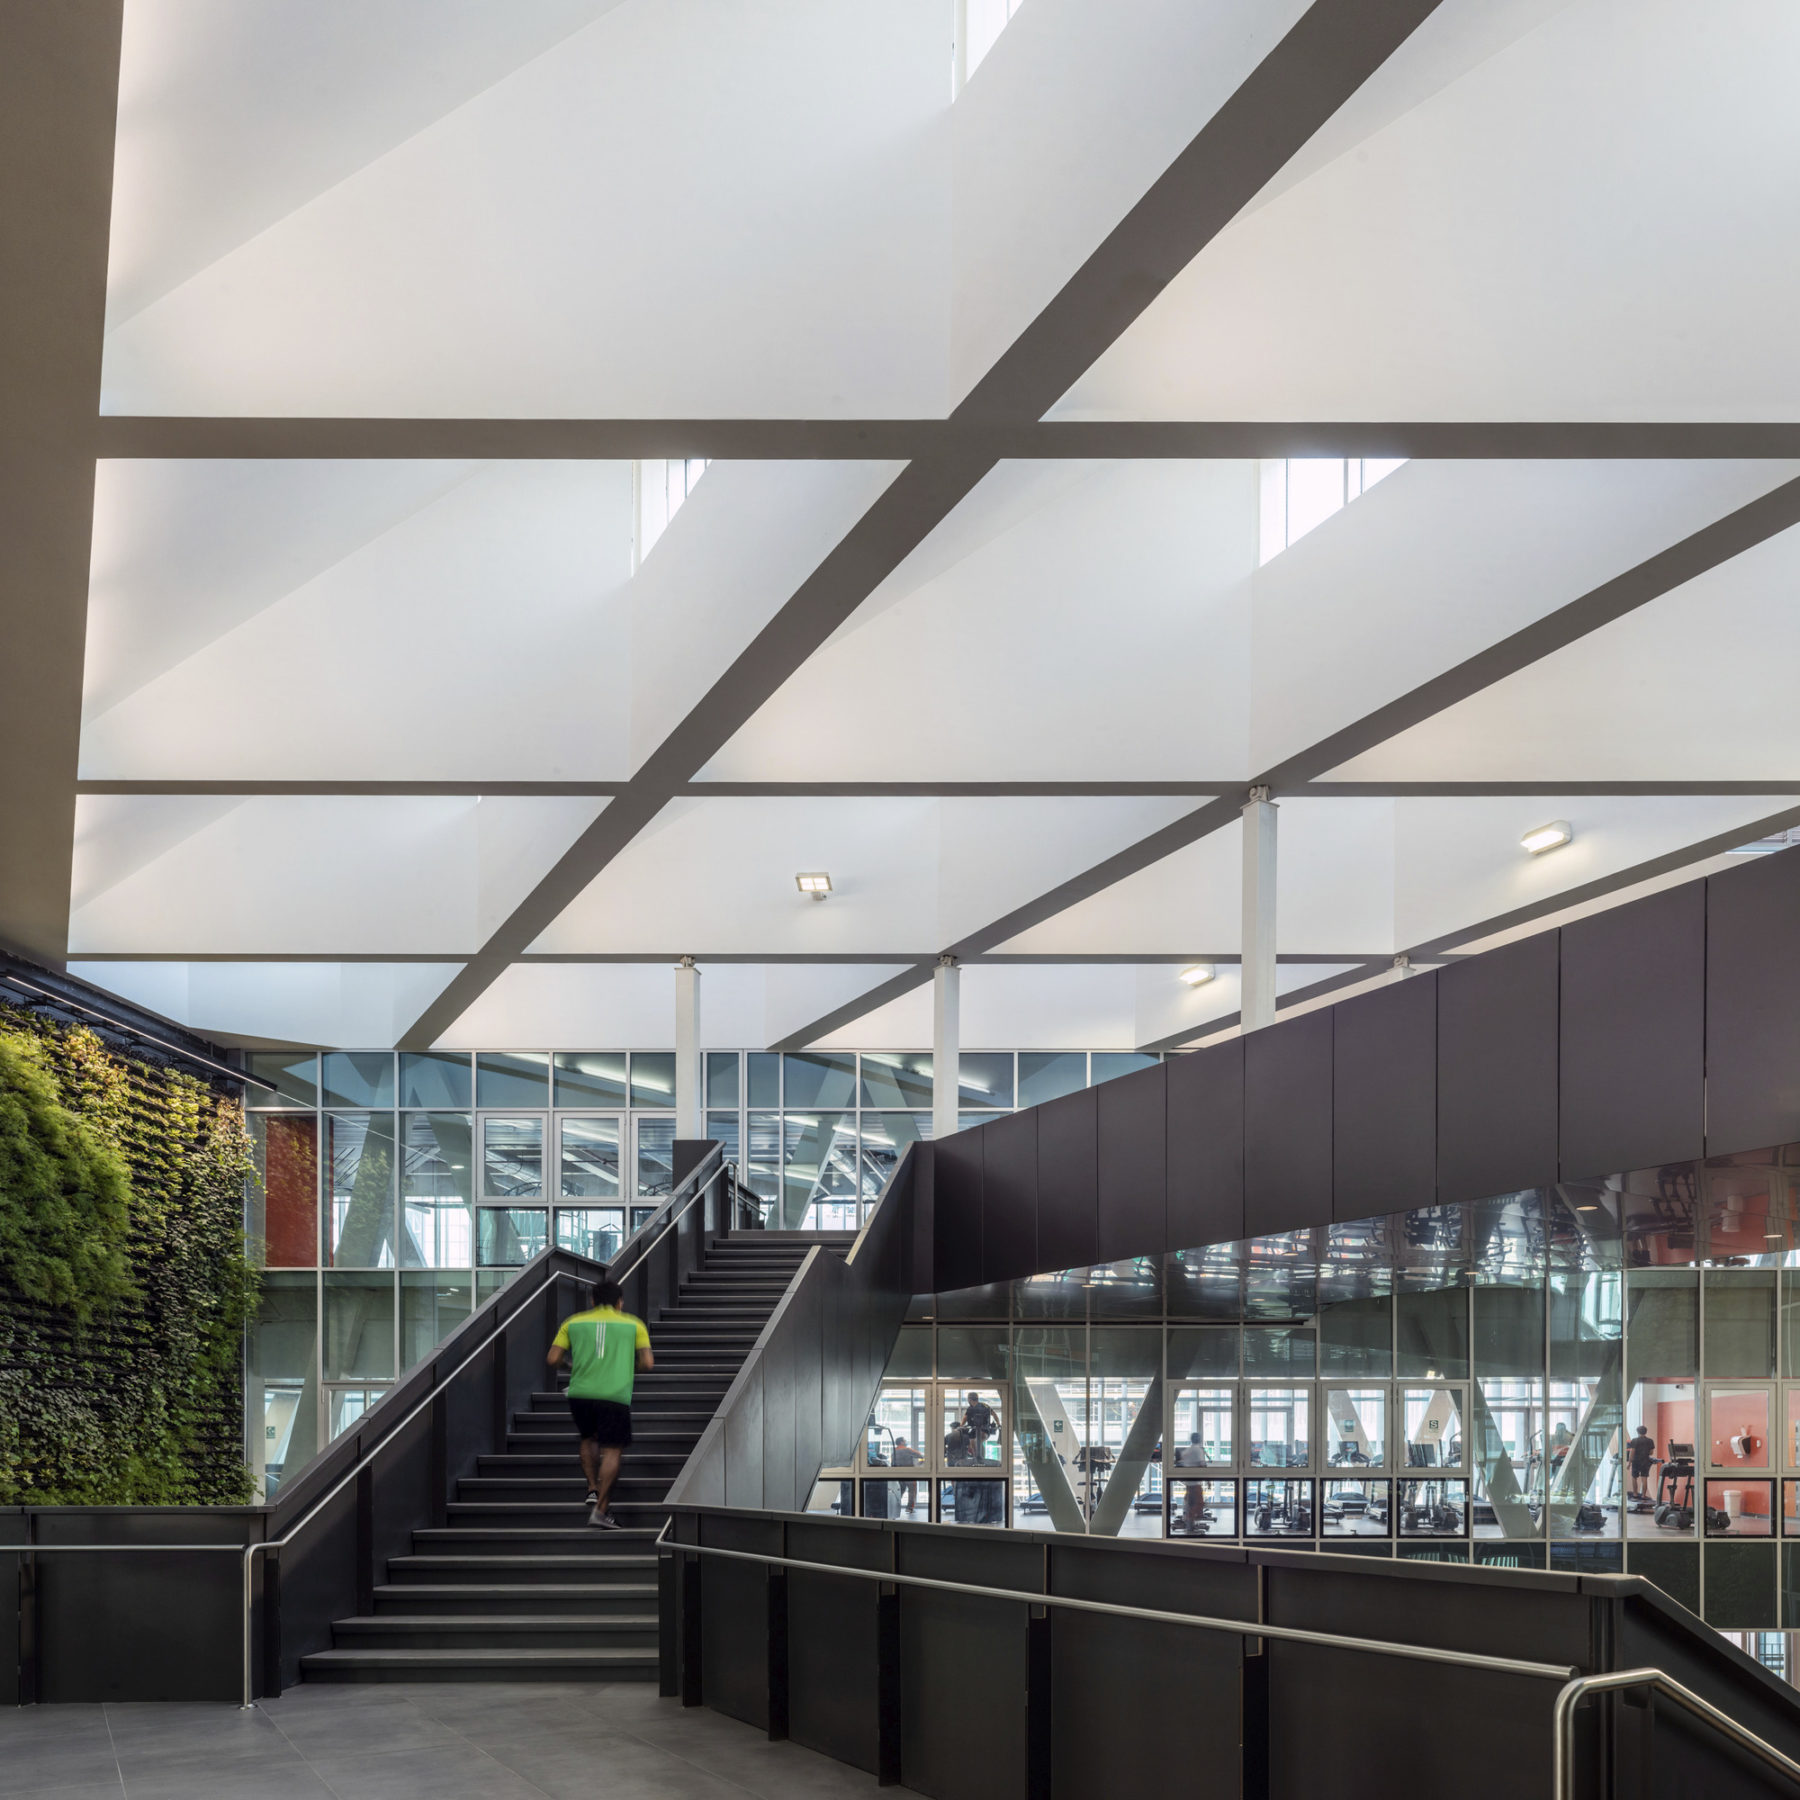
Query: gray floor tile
367, 1729
625, 1771
45, 1761
87, 1790
152, 1729
65, 1722
225, 1778
454, 1772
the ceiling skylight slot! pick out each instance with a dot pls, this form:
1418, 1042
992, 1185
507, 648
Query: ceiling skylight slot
976, 24
660, 486
1299, 492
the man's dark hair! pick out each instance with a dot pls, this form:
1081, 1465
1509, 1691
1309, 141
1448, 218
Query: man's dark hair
605, 1292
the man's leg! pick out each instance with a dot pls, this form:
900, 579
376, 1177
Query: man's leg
608, 1473
590, 1462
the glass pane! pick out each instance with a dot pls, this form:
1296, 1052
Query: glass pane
1433, 1331
1790, 1438
348, 1404
590, 1078
762, 1161
590, 1158
1202, 1508
1203, 1350
295, 1074
1109, 1064
1509, 1466
359, 1078
1662, 1320
819, 1080
885, 1137
1790, 1509
1279, 1427
1315, 491
762, 1070
284, 1370
1278, 1508
655, 1154
1740, 1322
1434, 1508
436, 1188
431, 1307
1356, 1427
1660, 1459
1202, 1429
595, 1232
360, 1151
1049, 1395
971, 1502
819, 1187
898, 1435
1049, 1075
1738, 1428
1586, 1465
984, 1078
973, 1433
911, 1354
722, 1085
1354, 1509
512, 1159
1278, 1350
1740, 1508
897, 1079
653, 1078
835, 1496
359, 1326
507, 1236
1205, 1284
284, 1208
966, 1350
1433, 1421
433, 1079
1356, 1337
519, 1079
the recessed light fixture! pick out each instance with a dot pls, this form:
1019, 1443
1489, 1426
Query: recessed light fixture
1197, 974
814, 882
1547, 837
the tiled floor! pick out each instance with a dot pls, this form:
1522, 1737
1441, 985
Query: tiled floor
443, 1742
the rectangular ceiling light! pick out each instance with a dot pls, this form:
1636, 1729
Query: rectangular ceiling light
1197, 974
814, 882
1547, 837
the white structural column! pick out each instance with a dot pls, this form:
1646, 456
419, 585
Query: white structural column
1257, 1005
946, 1045
690, 1114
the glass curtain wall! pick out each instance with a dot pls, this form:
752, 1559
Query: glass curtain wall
396, 1191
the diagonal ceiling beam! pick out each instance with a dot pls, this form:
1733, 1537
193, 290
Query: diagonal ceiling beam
59, 84
1331, 51
1694, 555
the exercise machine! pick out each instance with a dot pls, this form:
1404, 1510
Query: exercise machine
1674, 1506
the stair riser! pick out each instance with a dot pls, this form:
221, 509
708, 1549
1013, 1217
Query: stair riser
564, 1469
632, 1512
571, 1634
502, 1571
629, 1599
638, 1667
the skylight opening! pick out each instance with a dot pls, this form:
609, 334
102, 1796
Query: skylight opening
1299, 492
661, 484
976, 25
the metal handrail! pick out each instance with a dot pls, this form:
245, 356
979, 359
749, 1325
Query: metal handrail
1574, 1692
1576, 1686
715, 1155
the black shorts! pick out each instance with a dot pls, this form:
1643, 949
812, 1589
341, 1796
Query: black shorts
604, 1422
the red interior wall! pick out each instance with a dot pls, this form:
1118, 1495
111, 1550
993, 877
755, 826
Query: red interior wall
1674, 1423
291, 1202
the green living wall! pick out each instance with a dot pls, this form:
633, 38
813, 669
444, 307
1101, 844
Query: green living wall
123, 1281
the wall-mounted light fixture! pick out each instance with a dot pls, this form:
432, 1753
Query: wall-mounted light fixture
1547, 837
1197, 974
813, 882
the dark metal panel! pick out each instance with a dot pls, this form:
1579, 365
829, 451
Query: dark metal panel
734, 1619
1287, 1125
403, 1491
1753, 1005
1009, 1197
1069, 1181
1133, 1164
831, 1644
806, 1327
1206, 1145
1497, 1082
1632, 1059
1384, 1100
778, 1370
744, 1443
958, 1211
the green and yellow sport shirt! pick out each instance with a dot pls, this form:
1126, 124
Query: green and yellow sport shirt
602, 1344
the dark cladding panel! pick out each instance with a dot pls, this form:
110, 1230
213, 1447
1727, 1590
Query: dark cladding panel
957, 1211
1287, 1125
1068, 1181
1133, 1164
1009, 1180
1633, 1035
1753, 1005
1384, 1100
1497, 1043
1206, 1145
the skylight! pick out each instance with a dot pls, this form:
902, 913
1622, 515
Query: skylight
1299, 492
978, 24
662, 485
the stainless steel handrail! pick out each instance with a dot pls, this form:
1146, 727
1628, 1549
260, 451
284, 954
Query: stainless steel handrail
1576, 1686
1574, 1692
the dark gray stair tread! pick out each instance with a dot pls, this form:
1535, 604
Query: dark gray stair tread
391, 1624
522, 1664
522, 1559
414, 1591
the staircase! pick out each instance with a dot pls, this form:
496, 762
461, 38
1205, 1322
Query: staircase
516, 1585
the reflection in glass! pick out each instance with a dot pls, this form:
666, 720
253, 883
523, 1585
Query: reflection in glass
1203, 1350
818, 1080
1355, 1337
1740, 1508
590, 1158
1434, 1508
1586, 1459
1108, 1065
431, 1307
348, 1404
897, 1079
984, 1078
295, 1074
595, 1232
1048, 1075
512, 1159
1662, 1320
283, 1385
358, 1078
762, 1159
359, 1326
436, 1191
1049, 1395
1356, 1427
361, 1155
1740, 1322
1286, 1351
509, 1235
1279, 1427
592, 1077
885, 1137
1433, 1421
284, 1208
1278, 1508
1357, 1509
1509, 1465
652, 1078
434, 1078
655, 1154
1202, 1508
723, 1089
1201, 1432
516, 1079
977, 1502
1433, 1332
818, 1187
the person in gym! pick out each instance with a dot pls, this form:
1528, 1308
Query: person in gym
607, 1350
979, 1419
1642, 1453
1192, 1454
906, 1457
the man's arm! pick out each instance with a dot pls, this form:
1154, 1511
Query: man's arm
556, 1355
645, 1361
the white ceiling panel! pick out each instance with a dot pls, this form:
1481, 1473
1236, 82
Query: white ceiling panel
908, 875
1084, 626
1596, 221
310, 874
681, 209
1670, 691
